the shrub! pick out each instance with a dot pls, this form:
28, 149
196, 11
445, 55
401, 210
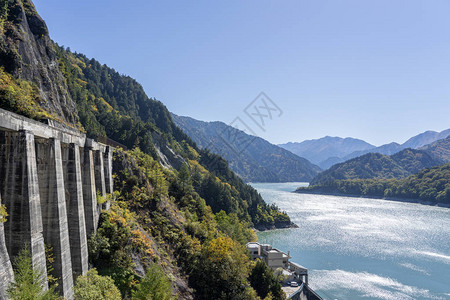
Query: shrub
154, 286
95, 287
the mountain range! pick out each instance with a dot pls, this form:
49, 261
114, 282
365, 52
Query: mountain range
251, 157
379, 166
328, 151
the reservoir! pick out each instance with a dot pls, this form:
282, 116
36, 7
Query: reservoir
362, 248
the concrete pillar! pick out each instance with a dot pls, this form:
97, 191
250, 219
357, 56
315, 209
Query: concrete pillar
108, 173
89, 191
54, 211
6, 272
75, 208
100, 182
20, 192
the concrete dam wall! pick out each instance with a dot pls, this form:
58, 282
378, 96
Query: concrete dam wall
50, 179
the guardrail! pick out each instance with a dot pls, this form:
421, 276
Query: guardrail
298, 291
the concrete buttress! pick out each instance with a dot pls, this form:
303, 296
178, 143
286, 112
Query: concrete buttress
108, 156
54, 211
20, 192
89, 192
75, 208
6, 272
99, 178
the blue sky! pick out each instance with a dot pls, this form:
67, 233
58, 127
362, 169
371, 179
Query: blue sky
375, 70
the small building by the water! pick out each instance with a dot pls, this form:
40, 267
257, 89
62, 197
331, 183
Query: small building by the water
291, 271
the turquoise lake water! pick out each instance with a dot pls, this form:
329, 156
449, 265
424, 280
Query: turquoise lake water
359, 248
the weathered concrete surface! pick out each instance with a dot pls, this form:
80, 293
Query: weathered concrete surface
10, 121
20, 192
6, 272
54, 211
49, 187
89, 191
99, 178
108, 156
75, 209
15, 122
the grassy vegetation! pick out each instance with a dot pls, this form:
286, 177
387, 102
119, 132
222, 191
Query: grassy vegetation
21, 96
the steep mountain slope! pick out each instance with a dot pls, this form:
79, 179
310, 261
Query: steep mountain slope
327, 150
27, 53
431, 185
439, 149
253, 158
376, 166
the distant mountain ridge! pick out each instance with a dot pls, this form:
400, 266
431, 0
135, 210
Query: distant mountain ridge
379, 166
415, 142
328, 151
253, 158
439, 149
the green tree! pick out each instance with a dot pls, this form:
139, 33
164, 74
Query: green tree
184, 178
95, 287
28, 280
222, 271
154, 286
264, 281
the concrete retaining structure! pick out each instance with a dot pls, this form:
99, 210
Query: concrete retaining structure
20, 194
6, 271
89, 192
54, 211
75, 209
49, 177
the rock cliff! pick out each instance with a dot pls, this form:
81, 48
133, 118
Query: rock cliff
27, 52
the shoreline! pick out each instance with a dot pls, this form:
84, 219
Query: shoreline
407, 200
274, 227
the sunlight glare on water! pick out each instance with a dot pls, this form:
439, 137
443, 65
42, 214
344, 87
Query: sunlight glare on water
361, 248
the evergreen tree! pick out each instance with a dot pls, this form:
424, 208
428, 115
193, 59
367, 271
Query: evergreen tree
29, 281
264, 281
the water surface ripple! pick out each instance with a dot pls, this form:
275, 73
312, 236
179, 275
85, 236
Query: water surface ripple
360, 248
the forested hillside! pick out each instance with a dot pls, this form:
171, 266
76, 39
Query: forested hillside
439, 149
116, 106
379, 166
431, 185
328, 151
180, 217
256, 161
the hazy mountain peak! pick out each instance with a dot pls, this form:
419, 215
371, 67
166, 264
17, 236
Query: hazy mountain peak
320, 150
328, 150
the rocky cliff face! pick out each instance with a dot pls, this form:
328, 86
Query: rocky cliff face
27, 52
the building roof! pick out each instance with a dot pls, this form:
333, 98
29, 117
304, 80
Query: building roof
253, 245
298, 266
